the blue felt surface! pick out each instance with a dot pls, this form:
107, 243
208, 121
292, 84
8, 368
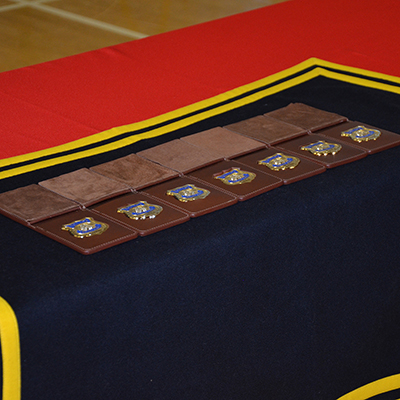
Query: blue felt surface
290, 295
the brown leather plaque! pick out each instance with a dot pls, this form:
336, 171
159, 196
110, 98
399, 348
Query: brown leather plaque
142, 218
267, 130
261, 159
180, 156
85, 187
345, 155
368, 138
226, 143
306, 117
33, 203
215, 200
238, 180
113, 235
135, 171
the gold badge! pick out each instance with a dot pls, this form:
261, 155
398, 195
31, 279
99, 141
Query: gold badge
280, 162
362, 134
235, 176
85, 228
188, 193
322, 148
140, 210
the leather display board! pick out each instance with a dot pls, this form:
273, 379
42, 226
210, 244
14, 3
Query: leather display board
346, 155
33, 203
180, 156
168, 217
216, 200
304, 169
224, 142
115, 234
135, 171
85, 187
306, 117
385, 141
261, 182
267, 130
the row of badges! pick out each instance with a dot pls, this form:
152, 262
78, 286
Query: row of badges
126, 214
141, 210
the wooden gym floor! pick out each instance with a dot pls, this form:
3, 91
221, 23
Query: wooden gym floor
34, 31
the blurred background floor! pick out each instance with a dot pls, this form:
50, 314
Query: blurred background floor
34, 31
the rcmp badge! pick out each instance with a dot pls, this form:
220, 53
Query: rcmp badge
280, 162
140, 210
235, 176
362, 134
188, 193
85, 228
322, 148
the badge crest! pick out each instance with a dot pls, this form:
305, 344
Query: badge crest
322, 148
235, 176
140, 210
280, 162
85, 227
361, 134
188, 193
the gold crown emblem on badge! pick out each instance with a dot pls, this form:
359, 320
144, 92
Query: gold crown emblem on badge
188, 193
280, 162
235, 176
85, 227
362, 134
322, 148
140, 210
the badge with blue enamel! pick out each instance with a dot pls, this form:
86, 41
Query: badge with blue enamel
361, 134
235, 176
322, 148
85, 227
188, 193
140, 210
280, 162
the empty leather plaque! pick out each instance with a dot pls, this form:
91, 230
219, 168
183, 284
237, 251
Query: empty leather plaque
304, 169
33, 203
345, 155
384, 141
113, 235
166, 218
180, 156
135, 171
215, 200
85, 186
306, 117
220, 175
267, 130
224, 142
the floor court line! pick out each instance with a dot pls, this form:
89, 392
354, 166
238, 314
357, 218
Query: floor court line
84, 20
11, 7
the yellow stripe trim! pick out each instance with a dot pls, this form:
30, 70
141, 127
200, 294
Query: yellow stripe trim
179, 113
353, 70
159, 131
9, 339
374, 389
183, 122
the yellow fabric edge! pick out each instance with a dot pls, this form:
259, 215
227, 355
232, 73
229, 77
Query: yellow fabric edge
110, 133
319, 71
10, 350
358, 81
159, 131
355, 70
374, 388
